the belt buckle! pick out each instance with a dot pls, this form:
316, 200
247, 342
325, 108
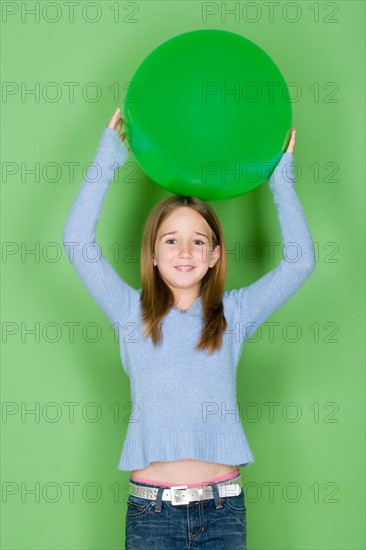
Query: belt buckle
177, 499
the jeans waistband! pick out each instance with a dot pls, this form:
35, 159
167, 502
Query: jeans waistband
182, 495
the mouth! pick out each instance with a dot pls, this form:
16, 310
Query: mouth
184, 268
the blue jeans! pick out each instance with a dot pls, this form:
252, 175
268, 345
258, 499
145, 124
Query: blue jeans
213, 524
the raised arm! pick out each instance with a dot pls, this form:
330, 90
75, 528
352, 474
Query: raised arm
110, 292
263, 297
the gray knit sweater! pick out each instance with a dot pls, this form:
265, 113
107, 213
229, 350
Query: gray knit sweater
185, 403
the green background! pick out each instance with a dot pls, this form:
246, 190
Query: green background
312, 371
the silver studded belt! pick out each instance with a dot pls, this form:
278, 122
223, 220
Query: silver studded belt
182, 494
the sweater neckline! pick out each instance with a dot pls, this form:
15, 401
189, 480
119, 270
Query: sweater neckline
194, 307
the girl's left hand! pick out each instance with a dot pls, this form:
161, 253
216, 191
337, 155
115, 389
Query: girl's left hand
291, 145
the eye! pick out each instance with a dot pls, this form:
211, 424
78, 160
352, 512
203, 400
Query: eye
195, 241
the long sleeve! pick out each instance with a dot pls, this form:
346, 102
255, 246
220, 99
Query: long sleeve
263, 297
109, 291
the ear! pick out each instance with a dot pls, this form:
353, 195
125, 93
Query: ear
215, 255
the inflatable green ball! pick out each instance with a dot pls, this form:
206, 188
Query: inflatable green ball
208, 114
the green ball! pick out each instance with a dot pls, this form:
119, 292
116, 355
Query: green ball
208, 114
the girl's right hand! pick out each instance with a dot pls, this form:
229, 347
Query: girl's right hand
116, 123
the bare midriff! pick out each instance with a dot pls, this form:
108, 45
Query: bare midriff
183, 471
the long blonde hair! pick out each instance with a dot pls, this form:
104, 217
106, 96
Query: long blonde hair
157, 298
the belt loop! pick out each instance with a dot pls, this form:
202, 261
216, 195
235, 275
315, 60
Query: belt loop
159, 497
216, 496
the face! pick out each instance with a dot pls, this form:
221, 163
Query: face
184, 239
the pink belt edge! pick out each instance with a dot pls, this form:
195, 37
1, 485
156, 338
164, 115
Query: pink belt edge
214, 480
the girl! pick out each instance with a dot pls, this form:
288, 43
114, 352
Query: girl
181, 337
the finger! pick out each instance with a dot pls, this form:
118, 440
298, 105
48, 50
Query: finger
119, 125
293, 136
291, 143
114, 119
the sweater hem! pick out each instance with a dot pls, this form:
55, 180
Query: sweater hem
219, 448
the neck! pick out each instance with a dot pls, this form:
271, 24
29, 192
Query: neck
185, 304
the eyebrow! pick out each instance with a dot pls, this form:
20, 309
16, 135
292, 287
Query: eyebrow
173, 232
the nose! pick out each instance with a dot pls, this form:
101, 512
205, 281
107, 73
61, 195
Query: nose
185, 251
